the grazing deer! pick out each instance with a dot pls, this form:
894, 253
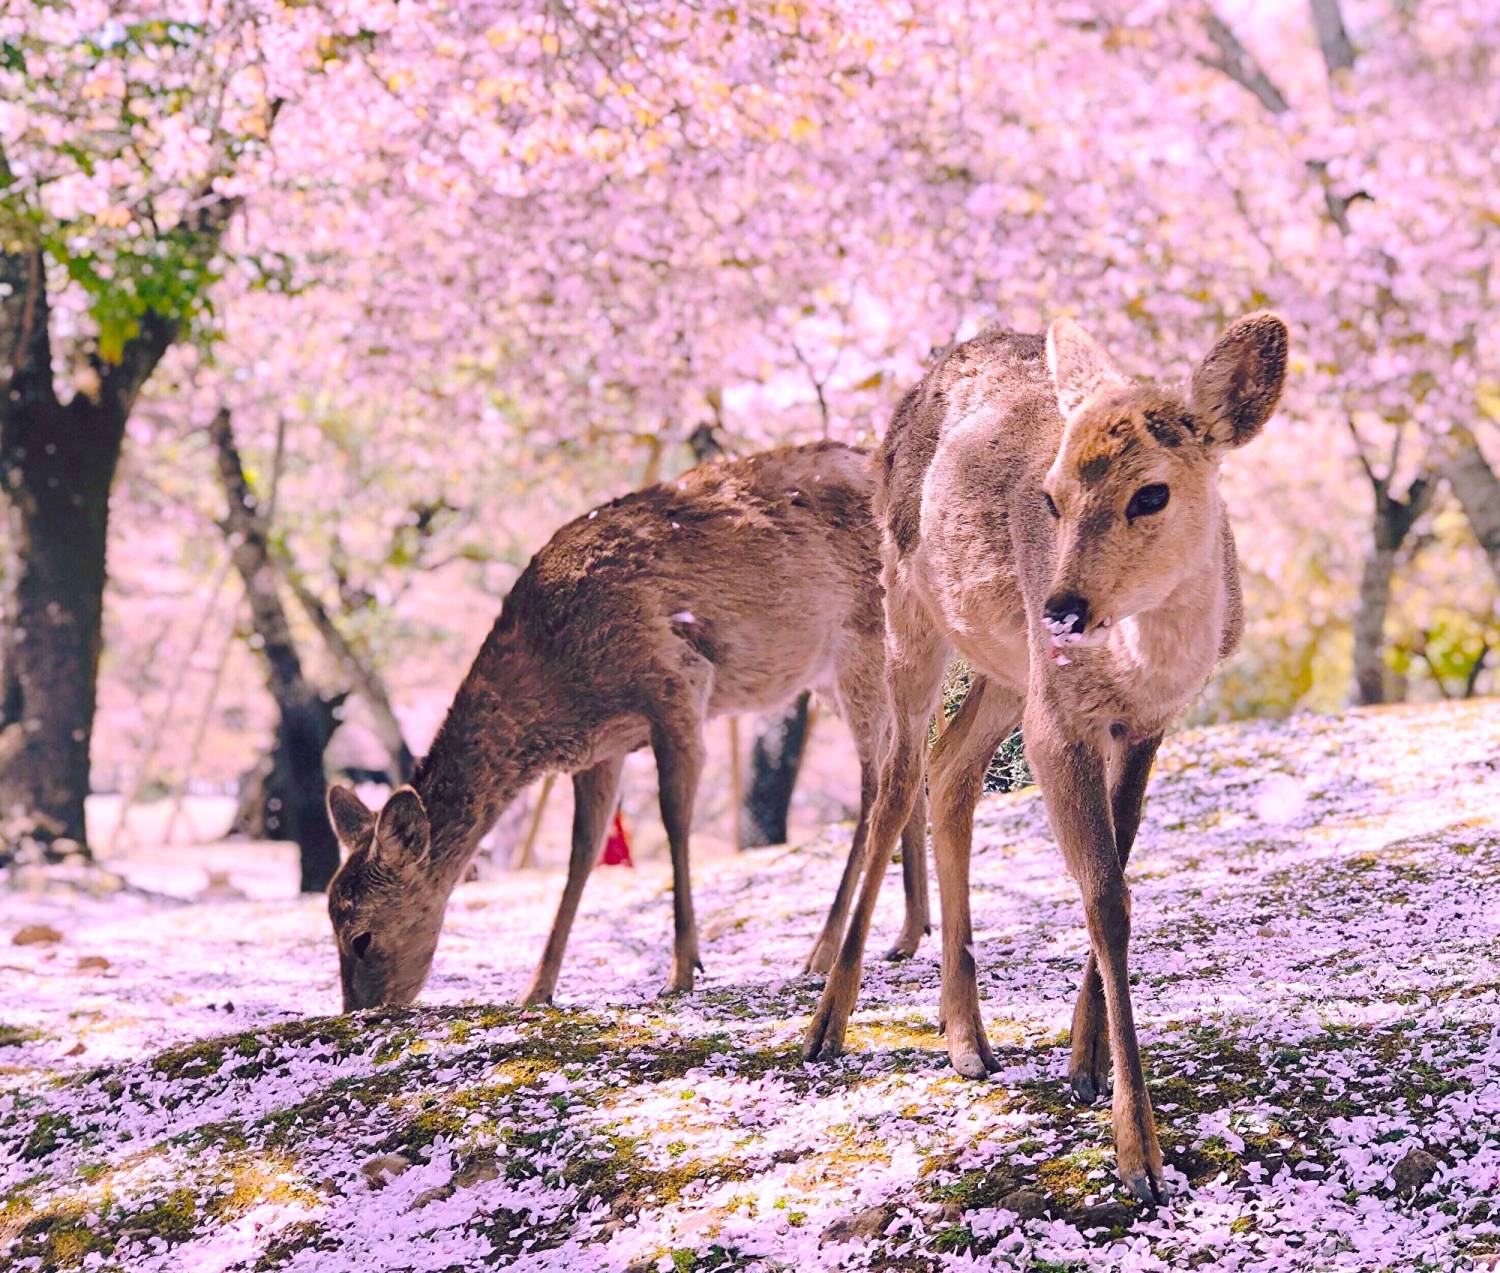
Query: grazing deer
1060, 526
729, 590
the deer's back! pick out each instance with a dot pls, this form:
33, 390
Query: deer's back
999, 377
765, 566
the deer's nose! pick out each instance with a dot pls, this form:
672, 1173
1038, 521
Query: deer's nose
1066, 612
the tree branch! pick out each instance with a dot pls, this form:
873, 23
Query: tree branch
1333, 36
1477, 487
1364, 460
366, 681
1236, 61
1472, 680
244, 527
121, 382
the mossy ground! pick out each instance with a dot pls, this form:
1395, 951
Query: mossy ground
1316, 990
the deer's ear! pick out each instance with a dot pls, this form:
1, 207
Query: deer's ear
1078, 365
402, 833
353, 823
1237, 385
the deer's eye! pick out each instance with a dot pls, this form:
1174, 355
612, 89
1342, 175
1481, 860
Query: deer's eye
1147, 500
361, 945
1051, 507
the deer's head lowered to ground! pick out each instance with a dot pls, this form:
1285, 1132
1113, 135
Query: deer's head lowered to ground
386, 907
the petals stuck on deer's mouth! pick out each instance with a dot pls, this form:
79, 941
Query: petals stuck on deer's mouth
1063, 637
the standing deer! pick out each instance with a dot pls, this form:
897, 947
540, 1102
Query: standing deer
731, 589
1060, 526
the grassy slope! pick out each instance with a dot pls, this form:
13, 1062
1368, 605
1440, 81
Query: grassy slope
1316, 911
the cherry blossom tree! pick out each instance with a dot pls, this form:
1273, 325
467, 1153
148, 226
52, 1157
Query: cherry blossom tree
125, 138
500, 260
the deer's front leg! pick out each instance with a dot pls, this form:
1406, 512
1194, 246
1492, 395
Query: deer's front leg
892, 810
594, 793
1075, 786
1089, 1070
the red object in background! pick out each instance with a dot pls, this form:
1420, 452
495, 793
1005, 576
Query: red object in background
617, 847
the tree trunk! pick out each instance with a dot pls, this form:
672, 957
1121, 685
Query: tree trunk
305, 725
267, 790
775, 759
1477, 488
1370, 682
361, 673
1391, 524
58, 464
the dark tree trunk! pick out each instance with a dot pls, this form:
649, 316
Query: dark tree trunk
58, 463
775, 759
1371, 680
1392, 522
305, 724
268, 788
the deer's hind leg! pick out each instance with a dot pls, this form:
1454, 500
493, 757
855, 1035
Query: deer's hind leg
1089, 1072
918, 922
820, 959
959, 763
915, 658
677, 743
864, 703
594, 792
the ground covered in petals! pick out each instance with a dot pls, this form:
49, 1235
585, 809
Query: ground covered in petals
1316, 912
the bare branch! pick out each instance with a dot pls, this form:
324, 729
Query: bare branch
1237, 62
1477, 487
357, 668
1432, 667
1333, 36
1472, 680
1398, 435
1364, 459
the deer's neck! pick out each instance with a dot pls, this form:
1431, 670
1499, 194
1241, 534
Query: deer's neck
1169, 650
493, 743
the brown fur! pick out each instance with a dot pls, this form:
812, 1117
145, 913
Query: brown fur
729, 590
1096, 627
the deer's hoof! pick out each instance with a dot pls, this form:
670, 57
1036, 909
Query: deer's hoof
1146, 1184
905, 947
821, 960
1138, 1152
824, 1039
1089, 1087
679, 983
968, 1048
